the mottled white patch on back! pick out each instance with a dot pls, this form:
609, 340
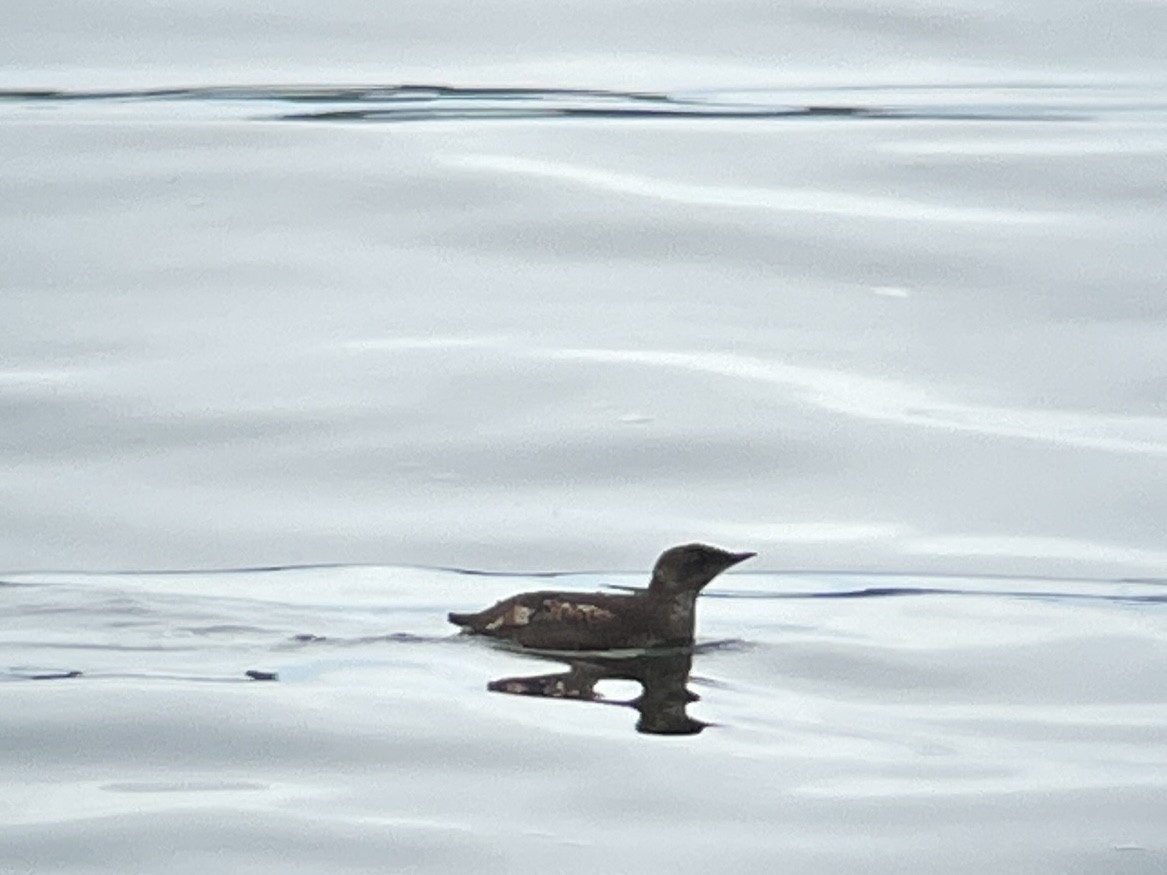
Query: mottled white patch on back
518, 615
577, 611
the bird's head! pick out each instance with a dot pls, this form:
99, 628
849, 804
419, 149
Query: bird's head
689, 567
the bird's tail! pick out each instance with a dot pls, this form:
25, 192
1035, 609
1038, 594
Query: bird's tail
459, 619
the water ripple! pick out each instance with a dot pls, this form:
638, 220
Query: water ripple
422, 102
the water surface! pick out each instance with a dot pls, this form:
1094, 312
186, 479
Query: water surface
860, 723
876, 291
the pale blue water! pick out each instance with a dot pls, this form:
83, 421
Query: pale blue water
875, 291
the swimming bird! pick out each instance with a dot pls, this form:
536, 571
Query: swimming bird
663, 615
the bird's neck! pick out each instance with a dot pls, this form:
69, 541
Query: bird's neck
679, 606
662, 590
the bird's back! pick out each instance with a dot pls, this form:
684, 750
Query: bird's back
570, 621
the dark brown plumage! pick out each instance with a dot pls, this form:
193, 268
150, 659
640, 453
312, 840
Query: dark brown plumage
662, 615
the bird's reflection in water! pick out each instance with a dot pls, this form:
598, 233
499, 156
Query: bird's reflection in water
663, 674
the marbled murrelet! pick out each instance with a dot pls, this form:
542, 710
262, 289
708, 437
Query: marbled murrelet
660, 616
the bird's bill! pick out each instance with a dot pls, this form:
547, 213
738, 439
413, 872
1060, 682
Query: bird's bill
735, 558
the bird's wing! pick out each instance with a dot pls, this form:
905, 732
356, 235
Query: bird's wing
568, 610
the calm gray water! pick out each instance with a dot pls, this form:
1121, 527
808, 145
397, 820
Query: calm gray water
861, 724
363, 293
